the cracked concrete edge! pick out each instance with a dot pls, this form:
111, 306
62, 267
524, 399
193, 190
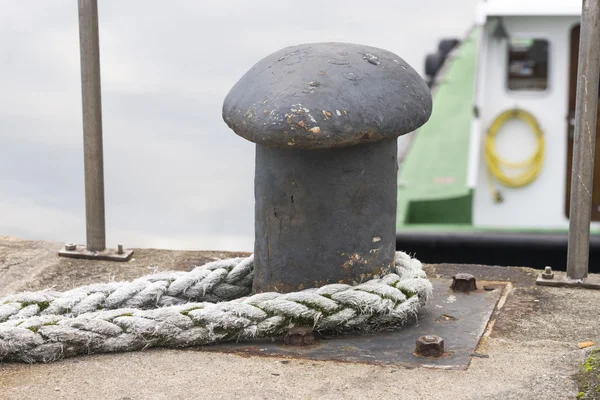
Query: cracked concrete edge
22, 260
35, 265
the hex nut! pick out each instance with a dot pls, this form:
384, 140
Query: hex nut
548, 273
70, 247
430, 346
299, 336
463, 283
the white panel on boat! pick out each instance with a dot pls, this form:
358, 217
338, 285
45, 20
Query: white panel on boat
529, 8
542, 203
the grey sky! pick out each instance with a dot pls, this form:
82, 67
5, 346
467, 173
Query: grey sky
176, 176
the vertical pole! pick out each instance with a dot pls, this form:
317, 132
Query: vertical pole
582, 173
92, 124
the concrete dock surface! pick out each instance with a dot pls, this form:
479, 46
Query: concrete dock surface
530, 349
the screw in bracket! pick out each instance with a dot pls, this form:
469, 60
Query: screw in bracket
548, 273
70, 247
430, 346
299, 336
463, 283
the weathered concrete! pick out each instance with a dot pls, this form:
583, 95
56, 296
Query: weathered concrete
532, 346
34, 265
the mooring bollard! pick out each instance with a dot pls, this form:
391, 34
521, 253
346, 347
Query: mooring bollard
325, 118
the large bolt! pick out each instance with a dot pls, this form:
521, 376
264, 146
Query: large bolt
463, 283
325, 118
430, 346
299, 336
70, 247
548, 273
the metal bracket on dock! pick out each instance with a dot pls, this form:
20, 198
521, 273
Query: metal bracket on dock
79, 251
460, 319
560, 279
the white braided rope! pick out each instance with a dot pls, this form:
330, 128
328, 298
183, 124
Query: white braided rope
214, 282
205, 305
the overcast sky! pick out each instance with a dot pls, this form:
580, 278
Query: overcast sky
175, 175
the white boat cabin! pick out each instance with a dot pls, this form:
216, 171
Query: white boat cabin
527, 60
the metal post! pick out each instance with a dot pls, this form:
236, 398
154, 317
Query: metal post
92, 124
582, 172
92, 143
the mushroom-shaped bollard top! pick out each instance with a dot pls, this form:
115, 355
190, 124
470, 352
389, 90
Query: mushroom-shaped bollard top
325, 118
325, 95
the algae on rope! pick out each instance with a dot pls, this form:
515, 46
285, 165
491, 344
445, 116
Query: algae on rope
41, 304
174, 310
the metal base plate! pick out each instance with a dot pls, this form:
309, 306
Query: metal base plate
459, 318
561, 280
106, 255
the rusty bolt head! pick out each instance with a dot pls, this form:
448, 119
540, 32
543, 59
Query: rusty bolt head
548, 274
430, 346
70, 247
463, 283
299, 336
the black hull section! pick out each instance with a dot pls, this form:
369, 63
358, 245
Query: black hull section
535, 250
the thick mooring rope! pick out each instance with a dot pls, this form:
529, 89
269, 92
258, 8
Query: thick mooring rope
205, 305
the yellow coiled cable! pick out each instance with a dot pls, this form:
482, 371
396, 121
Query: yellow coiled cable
531, 166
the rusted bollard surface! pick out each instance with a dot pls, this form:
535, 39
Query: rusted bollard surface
325, 118
319, 221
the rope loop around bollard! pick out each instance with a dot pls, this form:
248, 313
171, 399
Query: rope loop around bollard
209, 304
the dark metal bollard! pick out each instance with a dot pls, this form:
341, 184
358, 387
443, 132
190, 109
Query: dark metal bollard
325, 118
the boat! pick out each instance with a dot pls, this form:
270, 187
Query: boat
487, 179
